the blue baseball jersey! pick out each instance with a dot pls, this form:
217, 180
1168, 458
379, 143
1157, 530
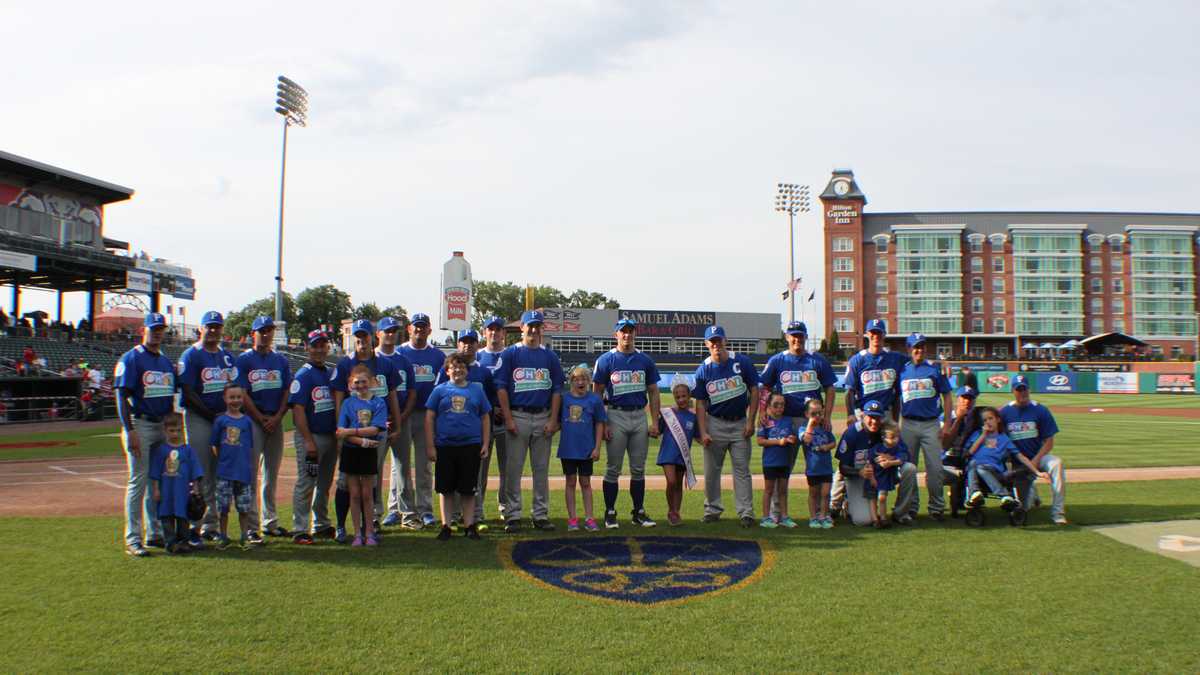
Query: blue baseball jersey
625, 377
475, 373
886, 478
579, 416
206, 373
174, 467
149, 378
817, 462
1028, 427
404, 374
358, 413
264, 377
669, 451
310, 388
385, 375
234, 440
458, 413
921, 388
491, 361
995, 451
530, 375
798, 378
852, 449
874, 377
726, 386
777, 455
426, 363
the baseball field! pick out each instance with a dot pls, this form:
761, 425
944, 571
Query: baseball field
701, 597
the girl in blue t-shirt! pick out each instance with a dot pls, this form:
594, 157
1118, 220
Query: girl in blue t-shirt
675, 457
777, 438
818, 445
363, 418
583, 419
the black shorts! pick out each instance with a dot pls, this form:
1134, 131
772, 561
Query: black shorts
776, 472
814, 481
581, 467
456, 469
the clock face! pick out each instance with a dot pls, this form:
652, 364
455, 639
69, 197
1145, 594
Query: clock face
841, 187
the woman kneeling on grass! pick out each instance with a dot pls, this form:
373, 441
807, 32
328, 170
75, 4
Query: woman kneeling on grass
363, 419
458, 411
777, 438
677, 427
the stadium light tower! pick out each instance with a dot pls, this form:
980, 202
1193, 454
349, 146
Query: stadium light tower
791, 199
291, 101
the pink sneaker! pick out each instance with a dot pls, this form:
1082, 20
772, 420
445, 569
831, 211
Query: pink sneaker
572, 525
372, 540
591, 525
358, 541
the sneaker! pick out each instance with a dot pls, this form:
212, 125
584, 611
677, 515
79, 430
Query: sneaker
610, 520
572, 525
543, 525
903, 520
788, 523
748, 521
767, 522
412, 524
937, 516
827, 523
277, 531
975, 499
710, 518
815, 523
481, 526
196, 543
472, 532
156, 542
444, 533
340, 535
326, 532
302, 538
591, 525
372, 540
428, 521
210, 535
392, 519
222, 542
358, 540
1008, 504
254, 539
512, 526
1060, 520
640, 518
136, 551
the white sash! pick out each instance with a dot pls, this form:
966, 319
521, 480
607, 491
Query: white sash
681, 440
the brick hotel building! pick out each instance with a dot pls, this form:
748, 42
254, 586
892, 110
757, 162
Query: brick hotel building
983, 283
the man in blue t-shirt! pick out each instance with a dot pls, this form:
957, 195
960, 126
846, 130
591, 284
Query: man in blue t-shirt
203, 370
265, 376
924, 397
388, 332
313, 415
529, 389
144, 381
488, 356
1031, 427
415, 501
628, 380
726, 392
873, 374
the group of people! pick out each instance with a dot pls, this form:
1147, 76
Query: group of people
441, 418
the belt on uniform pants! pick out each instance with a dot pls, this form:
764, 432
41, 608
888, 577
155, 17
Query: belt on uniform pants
153, 419
529, 409
919, 419
626, 408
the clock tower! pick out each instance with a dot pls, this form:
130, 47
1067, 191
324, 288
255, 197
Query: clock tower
841, 207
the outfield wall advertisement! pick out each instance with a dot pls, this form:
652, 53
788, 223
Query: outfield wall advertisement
1176, 383
1117, 383
1056, 383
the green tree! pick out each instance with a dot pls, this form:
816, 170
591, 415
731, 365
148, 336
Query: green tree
776, 345
835, 347
548, 296
590, 300
395, 311
494, 298
237, 323
824, 348
323, 305
369, 311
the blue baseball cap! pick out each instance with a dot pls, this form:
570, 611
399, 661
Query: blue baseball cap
362, 326
1019, 381
531, 317
210, 318
154, 320
262, 322
625, 322
420, 318
872, 409
387, 323
876, 326
714, 332
797, 328
494, 321
468, 334
914, 340
315, 336
968, 392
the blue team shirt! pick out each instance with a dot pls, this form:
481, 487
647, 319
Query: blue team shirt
530, 375
264, 378
426, 363
874, 377
994, 452
458, 413
625, 377
669, 451
234, 440
1027, 427
726, 386
475, 373
404, 374
579, 417
886, 479
852, 449
360, 413
817, 463
921, 388
385, 376
798, 378
206, 373
174, 468
777, 455
150, 380
491, 361
310, 388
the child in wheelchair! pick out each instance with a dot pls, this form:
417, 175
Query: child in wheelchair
988, 454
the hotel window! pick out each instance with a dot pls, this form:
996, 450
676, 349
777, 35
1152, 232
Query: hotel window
1118, 305
977, 305
997, 284
1176, 352
1097, 305
881, 305
976, 325
1097, 326
843, 244
881, 245
976, 264
1115, 245
998, 305
997, 264
841, 305
843, 264
881, 285
976, 284
1000, 349
843, 284
1119, 325
843, 325
1118, 264
998, 326
881, 265
1097, 285
1118, 285
978, 351
977, 245
1096, 265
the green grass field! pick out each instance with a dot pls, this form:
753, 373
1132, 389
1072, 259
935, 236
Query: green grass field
934, 597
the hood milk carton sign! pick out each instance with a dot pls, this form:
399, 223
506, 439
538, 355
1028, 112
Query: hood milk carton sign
457, 301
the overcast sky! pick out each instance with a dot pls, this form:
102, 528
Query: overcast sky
627, 147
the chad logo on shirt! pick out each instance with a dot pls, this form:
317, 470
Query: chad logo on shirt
261, 378
628, 381
917, 388
531, 379
795, 381
156, 383
1019, 431
725, 389
877, 380
423, 373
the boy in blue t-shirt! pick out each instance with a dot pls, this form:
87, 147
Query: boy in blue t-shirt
885, 459
175, 471
583, 419
675, 454
458, 435
818, 445
777, 438
232, 443
988, 452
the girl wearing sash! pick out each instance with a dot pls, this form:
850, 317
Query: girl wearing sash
678, 428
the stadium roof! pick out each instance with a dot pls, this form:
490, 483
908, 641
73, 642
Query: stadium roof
41, 173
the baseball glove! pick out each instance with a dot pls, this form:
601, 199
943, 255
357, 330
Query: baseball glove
195, 506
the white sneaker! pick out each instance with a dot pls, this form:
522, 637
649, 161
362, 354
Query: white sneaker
1060, 520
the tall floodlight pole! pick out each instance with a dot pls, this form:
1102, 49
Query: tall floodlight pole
291, 101
791, 199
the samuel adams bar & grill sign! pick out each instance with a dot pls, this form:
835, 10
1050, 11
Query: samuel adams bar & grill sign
659, 323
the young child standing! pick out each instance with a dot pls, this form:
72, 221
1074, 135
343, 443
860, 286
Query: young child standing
677, 429
818, 445
987, 450
886, 472
175, 471
232, 443
457, 437
777, 438
362, 420
583, 419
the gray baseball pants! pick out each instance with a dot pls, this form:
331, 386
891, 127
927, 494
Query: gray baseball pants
268, 455
139, 498
310, 497
199, 436
630, 433
531, 436
924, 437
727, 437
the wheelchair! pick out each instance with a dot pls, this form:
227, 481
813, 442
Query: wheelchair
975, 514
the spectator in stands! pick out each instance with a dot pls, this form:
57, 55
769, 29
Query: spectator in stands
28, 364
4, 320
84, 325
71, 370
94, 376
